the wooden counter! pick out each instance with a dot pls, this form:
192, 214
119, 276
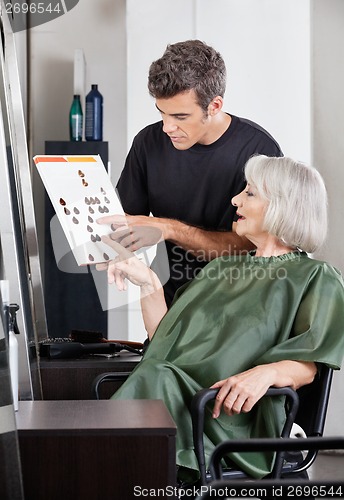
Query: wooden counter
71, 379
92, 450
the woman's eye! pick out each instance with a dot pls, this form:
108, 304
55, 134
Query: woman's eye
249, 193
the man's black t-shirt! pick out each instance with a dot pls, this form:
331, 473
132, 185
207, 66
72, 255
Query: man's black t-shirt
194, 186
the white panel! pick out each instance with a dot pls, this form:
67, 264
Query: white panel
328, 132
151, 25
266, 46
79, 79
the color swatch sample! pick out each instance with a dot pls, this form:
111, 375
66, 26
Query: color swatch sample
81, 192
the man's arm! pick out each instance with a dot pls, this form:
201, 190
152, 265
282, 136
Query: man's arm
203, 243
137, 231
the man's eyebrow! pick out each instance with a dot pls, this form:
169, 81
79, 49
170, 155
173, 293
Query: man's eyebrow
172, 114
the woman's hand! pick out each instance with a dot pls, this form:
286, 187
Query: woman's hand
127, 266
240, 393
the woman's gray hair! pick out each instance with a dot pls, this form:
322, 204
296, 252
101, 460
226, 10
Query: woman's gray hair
297, 209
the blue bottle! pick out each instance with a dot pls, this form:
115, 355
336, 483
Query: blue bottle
94, 115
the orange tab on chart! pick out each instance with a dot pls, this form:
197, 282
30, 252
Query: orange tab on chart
80, 158
39, 159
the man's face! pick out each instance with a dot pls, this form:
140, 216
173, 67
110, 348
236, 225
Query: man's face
184, 121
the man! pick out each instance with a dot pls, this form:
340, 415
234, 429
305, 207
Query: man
185, 169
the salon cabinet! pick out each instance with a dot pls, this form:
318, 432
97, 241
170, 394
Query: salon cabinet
67, 379
96, 449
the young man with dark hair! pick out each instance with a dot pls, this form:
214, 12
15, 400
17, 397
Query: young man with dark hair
182, 171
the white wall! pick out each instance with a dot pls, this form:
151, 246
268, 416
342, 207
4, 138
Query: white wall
151, 25
266, 46
328, 146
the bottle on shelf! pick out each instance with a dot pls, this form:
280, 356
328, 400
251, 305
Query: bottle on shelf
76, 119
13, 353
94, 115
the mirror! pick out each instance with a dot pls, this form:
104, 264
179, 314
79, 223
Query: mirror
19, 249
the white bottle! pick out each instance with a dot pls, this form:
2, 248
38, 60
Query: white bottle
13, 353
13, 362
12, 340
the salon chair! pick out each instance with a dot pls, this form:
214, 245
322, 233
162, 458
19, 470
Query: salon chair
306, 407
272, 488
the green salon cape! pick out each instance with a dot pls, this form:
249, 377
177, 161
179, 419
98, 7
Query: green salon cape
237, 313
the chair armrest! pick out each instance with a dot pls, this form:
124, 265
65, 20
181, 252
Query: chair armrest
106, 377
197, 410
271, 444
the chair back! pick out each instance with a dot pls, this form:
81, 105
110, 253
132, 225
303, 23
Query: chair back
313, 402
311, 415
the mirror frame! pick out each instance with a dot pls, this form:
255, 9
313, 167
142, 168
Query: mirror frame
19, 243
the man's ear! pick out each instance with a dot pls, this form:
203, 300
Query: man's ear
215, 105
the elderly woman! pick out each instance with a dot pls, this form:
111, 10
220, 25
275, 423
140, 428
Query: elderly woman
246, 322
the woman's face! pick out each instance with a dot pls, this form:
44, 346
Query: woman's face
251, 209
